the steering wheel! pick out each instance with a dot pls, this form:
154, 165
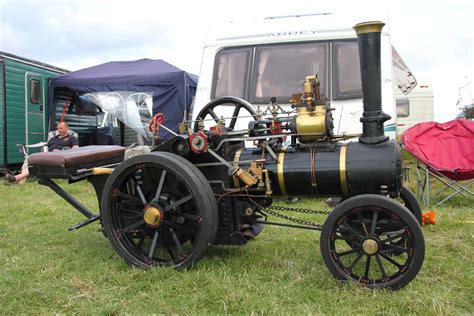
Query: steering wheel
225, 105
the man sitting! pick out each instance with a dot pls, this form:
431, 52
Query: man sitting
60, 140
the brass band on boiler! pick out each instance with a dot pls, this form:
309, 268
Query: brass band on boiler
281, 178
342, 169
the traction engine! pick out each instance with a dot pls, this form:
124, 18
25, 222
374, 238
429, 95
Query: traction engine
206, 186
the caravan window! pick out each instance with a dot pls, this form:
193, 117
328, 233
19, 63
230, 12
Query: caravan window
403, 107
346, 74
35, 91
230, 75
279, 71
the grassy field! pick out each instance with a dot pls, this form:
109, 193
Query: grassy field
45, 269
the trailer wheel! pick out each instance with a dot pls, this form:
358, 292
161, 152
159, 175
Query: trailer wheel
159, 210
360, 242
221, 106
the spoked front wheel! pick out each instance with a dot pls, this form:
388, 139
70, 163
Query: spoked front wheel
373, 240
159, 209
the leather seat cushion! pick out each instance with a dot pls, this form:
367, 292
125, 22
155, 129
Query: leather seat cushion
76, 157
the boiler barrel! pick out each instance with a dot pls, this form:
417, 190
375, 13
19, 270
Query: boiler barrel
344, 169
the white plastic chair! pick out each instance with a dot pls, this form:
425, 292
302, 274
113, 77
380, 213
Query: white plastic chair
43, 145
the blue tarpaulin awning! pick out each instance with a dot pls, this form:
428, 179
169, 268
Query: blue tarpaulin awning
172, 88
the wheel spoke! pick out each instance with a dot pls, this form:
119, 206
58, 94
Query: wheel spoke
178, 227
140, 193
365, 229
391, 226
362, 222
355, 261
234, 116
133, 226
399, 266
176, 241
117, 193
130, 216
389, 257
379, 262
367, 267
151, 253
214, 115
160, 186
398, 248
144, 176
348, 252
126, 210
346, 238
352, 230
392, 237
374, 222
178, 203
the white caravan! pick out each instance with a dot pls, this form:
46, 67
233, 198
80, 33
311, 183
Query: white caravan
415, 107
270, 57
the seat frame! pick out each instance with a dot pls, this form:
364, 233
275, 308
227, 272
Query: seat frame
91, 168
423, 174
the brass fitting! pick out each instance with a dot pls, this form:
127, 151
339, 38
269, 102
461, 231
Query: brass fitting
268, 183
152, 216
311, 124
200, 125
256, 170
259, 113
100, 170
369, 27
245, 177
182, 127
308, 94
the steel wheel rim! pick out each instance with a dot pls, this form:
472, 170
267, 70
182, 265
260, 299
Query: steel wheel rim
172, 241
351, 232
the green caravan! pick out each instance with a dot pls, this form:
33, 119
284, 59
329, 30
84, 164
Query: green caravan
23, 101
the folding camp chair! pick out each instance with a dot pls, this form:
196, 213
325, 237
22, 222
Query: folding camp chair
444, 152
43, 145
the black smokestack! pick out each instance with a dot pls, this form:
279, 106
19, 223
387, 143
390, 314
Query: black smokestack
372, 119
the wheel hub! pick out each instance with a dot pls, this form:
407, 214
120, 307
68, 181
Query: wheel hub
370, 246
153, 216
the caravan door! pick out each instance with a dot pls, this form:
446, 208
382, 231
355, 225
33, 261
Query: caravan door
34, 109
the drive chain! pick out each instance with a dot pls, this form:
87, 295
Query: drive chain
272, 210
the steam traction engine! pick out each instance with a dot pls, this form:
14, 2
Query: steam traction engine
203, 186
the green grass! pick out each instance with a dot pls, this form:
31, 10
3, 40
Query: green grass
45, 269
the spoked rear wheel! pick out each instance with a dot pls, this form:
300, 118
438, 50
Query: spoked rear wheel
373, 240
159, 209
